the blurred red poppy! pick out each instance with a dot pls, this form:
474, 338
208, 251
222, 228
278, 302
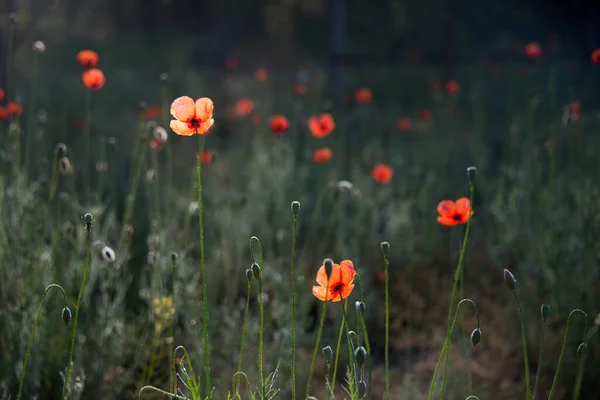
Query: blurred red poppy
452, 87
322, 155
403, 124
3, 113
93, 79
244, 107
533, 50
321, 126
152, 112
382, 173
206, 157
299, 88
596, 56
279, 124
454, 213
87, 58
15, 108
363, 95
424, 115
261, 75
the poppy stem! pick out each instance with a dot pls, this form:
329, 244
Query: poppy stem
363, 326
172, 327
352, 362
254, 239
386, 263
317, 344
524, 340
87, 139
88, 228
541, 352
32, 335
240, 356
30, 112
200, 147
564, 345
337, 354
295, 211
458, 274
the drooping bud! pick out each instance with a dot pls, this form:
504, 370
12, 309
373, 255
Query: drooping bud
328, 264
327, 353
385, 248
249, 274
174, 257
108, 254
66, 315
582, 350
476, 337
509, 279
353, 338
88, 218
360, 355
362, 389
545, 310
295, 208
39, 46
471, 173
256, 270
360, 307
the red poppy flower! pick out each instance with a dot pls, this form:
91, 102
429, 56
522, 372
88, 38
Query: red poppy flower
454, 213
279, 125
87, 58
382, 173
596, 56
299, 88
192, 117
15, 108
424, 115
93, 79
338, 285
403, 124
1, 94
452, 87
3, 113
363, 95
261, 75
206, 157
322, 155
244, 107
153, 112
533, 50
321, 126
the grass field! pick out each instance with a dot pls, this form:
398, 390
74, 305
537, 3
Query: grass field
100, 196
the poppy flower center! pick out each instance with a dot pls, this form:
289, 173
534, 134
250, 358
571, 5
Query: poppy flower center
194, 123
457, 217
337, 288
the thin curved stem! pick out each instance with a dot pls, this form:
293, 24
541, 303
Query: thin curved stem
157, 390
386, 262
446, 347
32, 335
366, 335
172, 327
541, 352
293, 275
240, 356
254, 239
524, 341
337, 354
30, 112
78, 307
200, 148
317, 343
350, 347
564, 346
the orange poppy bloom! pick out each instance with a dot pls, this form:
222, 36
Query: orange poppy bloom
533, 50
3, 113
93, 79
87, 58
244, 107
338, 285
192, 117
321, 126
452, 87
322, 155
403, 124
206, 157
363, 95
261, 75
1, 94
596, 56
454, 213
424, 115
15, 108
382, 173
279, 124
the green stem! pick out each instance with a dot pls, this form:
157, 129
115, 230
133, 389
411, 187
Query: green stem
31, 336
350, 347
240, 356
200, 148
541, 352
86, 139
366, 335
337, 354
11, 34
564, 346
172, 327
30, 111
579, 377
254, 239
78, 305
524, 341
317, 344
386, 262
446, 347
156, 187
157, 390
293, 278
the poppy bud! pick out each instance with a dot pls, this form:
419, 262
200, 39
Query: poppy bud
174, 257
295, 208
108, 254
362, 389
360, 355
509, 279
581, 350
249, 274
12, 17
311, 398
164, 77
66, 315
87, 218
328, 353
256, 270
476, 337
353, 338
328, 264
39, 46
471, 172
545, 311
142, 106
385, 248
360, 307
64, 166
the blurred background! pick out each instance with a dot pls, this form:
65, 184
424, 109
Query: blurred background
428, 88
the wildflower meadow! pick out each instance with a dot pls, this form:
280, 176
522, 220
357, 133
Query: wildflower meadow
254, 230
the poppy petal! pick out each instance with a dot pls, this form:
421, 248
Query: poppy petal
315, 127
346, 290
463, 206
320, 293
205, 126
348, 272
447, 221
183, 108
181, 128
336, 275
204, 108
446, 208
322, 277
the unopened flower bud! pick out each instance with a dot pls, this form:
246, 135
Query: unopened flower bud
353, 338
295, 208
39, 46
108, 254
328, 353
249, 274
174, 257
545, 310
360, 355
64, 166
360, 307
88, 218
476, 337
582, 350
509, 279
256, 270
164, 77
66, 315
385, 248
471, 173
362, 389
328, 264
12, 17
